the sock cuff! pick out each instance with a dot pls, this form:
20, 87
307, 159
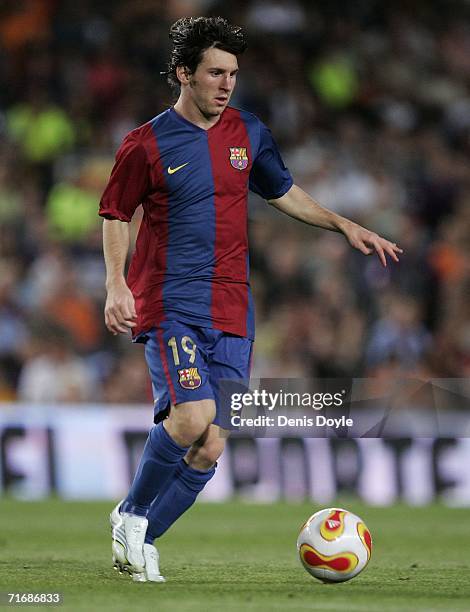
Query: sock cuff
160, 440
128, 507
193, 477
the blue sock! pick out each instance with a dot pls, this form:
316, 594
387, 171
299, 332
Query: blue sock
179, 495
159, 460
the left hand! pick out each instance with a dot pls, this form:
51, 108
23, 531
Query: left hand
369, 242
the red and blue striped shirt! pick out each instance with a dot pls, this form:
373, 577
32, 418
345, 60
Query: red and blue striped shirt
191, 258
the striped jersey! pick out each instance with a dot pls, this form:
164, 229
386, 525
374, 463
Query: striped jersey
191, 258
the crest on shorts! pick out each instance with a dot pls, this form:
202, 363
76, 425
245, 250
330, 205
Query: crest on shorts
238, 157
189, 378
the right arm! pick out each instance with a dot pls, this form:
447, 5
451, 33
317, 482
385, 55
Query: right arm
119, 312
127, 187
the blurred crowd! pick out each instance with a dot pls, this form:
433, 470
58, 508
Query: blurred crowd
370, 104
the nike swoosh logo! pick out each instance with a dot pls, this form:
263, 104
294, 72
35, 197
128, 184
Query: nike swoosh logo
173, 170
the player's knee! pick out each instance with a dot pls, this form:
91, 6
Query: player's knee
185, 432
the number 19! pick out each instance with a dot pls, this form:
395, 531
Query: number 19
187, 344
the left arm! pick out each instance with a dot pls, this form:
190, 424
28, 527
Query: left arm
299, 205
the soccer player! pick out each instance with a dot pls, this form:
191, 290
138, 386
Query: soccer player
187, 294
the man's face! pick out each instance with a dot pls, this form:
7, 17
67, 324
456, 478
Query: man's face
212, 84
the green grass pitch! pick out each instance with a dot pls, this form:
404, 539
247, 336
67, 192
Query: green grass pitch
234, 557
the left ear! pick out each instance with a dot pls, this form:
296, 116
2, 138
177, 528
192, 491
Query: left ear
183, 75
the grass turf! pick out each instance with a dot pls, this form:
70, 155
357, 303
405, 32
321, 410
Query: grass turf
234, 557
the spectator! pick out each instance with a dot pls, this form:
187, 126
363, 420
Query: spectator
54, 372
372, 111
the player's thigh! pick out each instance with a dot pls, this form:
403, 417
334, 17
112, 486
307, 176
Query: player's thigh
231, 361
177, 359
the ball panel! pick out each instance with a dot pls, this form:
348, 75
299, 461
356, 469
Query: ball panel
333, 525
345, 562
366, 538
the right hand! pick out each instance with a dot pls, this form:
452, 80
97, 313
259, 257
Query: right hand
119, 310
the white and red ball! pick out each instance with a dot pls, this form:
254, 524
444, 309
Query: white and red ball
334, 545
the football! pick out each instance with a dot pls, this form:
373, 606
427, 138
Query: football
334, 545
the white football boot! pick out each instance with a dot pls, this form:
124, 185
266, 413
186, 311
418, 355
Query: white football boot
152, 570
128, 532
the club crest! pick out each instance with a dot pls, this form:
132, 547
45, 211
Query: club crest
189, 378
238, 157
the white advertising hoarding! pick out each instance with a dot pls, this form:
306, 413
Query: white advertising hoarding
91, 452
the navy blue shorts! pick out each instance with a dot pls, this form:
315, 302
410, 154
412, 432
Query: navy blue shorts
186, 362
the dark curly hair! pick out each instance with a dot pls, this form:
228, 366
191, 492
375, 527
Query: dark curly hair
191, 36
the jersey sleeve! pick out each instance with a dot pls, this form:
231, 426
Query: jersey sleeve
269, 177
129, 181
